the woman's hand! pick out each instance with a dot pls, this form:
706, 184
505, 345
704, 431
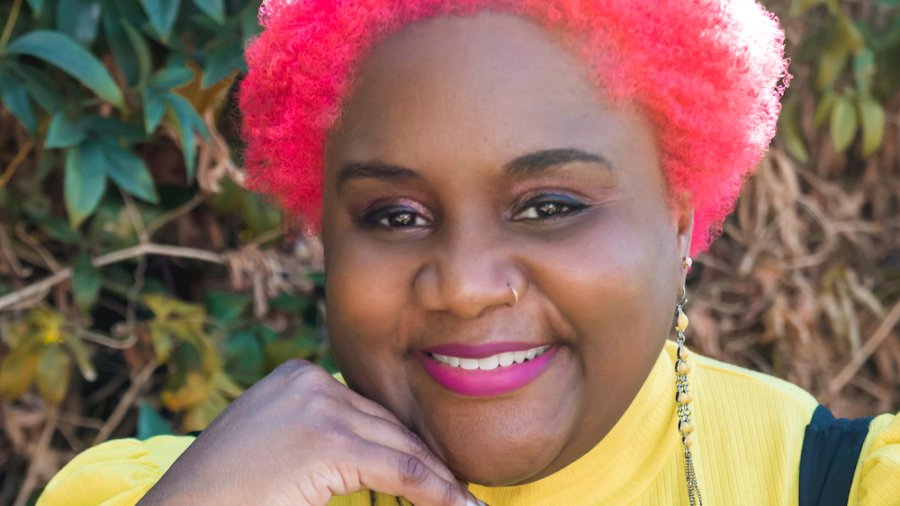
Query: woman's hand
300, 437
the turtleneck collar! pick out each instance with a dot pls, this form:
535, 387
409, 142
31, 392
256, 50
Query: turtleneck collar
623, 464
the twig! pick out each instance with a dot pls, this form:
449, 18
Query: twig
174, 214
10, 23
135, 217
40, 453
267, 236
138, 285
40, 288
36, 245
875, 340
10, 254
126, 402
109, 342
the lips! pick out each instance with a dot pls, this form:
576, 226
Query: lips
486, 370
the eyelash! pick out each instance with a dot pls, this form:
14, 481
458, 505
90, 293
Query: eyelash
553, 206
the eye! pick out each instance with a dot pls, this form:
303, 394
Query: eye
547, 207
396, 217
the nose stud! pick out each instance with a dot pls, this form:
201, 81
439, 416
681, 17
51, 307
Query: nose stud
515, 296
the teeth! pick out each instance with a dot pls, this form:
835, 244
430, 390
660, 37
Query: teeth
489, 363
469, 364
505, 359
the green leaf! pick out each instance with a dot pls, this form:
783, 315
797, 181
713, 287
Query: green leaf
113, 128
249, 23
150, 422
823, 108
154, 108
86, 283
223, 62
799, 7
37, 6
118, 42
832, 63
15, 98
212, 8
64, 131
39, 86
85, 181
171, 77
79, 19
53, 373
141, 50
226, 306
129, 172
864, 70
189, 124
244, 358
788, 130
843, 123
63, 52
161, 14
872, 118
82, 357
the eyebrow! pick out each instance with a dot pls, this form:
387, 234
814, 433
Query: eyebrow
547, 159
525, 165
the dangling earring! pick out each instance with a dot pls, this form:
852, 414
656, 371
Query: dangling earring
683, 397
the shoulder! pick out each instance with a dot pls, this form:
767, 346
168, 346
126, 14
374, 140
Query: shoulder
741, 388
877, 478
116, 472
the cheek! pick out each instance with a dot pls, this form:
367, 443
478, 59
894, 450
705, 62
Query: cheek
366, 307
611, 281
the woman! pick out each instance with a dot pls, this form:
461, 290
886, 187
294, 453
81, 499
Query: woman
509, 193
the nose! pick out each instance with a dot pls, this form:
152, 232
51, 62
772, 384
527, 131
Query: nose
470, 273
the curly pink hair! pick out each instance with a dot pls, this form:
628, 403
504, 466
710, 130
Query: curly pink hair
708, 74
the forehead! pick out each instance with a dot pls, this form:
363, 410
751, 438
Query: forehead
491, 81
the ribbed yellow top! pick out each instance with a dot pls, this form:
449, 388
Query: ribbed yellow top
749, 437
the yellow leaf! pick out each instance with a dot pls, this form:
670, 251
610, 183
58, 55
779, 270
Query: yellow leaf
843, 124
53, 373
195, 390
871, 116
17, 372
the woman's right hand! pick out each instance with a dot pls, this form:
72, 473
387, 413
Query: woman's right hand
300, 437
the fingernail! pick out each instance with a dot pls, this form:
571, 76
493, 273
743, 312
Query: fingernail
470, 502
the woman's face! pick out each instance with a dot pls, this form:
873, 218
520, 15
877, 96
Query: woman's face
475, 157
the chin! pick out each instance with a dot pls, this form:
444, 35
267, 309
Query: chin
503, 452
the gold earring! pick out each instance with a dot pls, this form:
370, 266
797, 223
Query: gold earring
683, 400
687, 262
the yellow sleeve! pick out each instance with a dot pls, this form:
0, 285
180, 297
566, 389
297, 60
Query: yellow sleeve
114, 473
877, 478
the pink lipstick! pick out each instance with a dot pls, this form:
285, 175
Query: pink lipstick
486, 370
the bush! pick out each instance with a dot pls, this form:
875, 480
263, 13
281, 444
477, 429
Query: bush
142, 287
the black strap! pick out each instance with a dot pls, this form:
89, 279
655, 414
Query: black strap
831, 450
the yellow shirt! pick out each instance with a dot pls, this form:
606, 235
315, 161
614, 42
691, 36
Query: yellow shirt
749, 435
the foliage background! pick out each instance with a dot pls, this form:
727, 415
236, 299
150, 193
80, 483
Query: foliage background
142, 287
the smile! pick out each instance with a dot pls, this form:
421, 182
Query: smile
492, 362
488, 370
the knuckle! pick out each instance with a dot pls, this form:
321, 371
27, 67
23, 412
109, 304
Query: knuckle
412, 470
418, 448
448, 495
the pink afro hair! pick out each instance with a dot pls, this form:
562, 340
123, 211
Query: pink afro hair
707, 73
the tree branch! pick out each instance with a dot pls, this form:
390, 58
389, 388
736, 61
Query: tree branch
39, 289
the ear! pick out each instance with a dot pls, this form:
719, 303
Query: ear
683, 212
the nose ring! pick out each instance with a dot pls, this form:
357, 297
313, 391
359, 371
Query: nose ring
515, 296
